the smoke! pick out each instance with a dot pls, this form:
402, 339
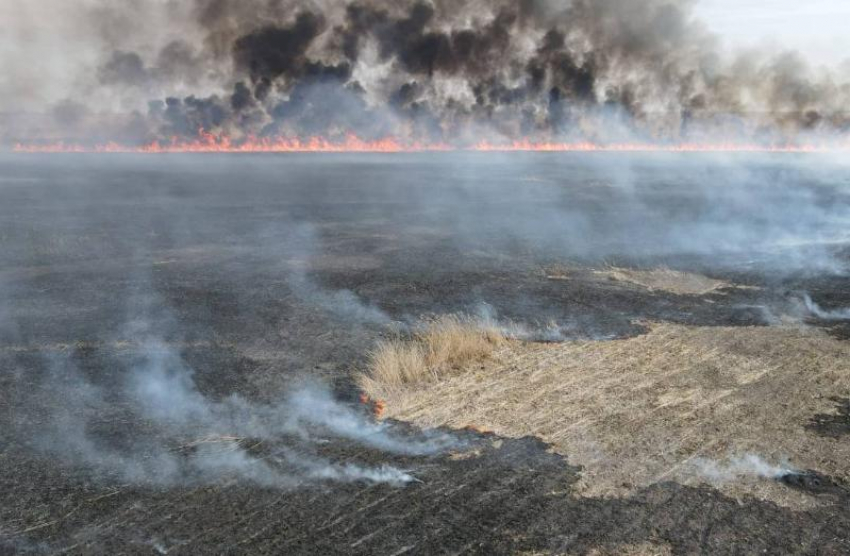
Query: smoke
296, 247
184, 437
825, 314
343, 303
430, 70
550, 331
200, 441
749, 465
315, 407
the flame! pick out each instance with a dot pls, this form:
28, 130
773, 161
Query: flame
211, 143
207, 142
533, 146
377, 407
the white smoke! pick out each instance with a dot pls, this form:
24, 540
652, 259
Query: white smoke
344, 304
295, 247
323, 470
199, 440
313, 406
825, 314
749, 465
550, 331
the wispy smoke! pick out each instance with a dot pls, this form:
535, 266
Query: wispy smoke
186, 437
749, 465
551, 331
445, 71
825, 314
343, 303
296, 247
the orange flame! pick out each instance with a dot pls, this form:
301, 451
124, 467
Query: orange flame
377, 407
217, 143
533, 146
211, 143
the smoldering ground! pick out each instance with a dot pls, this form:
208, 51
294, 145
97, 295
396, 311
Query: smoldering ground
256, 220
159, 315
434, 71
176, 435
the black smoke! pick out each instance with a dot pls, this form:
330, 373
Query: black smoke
461, 70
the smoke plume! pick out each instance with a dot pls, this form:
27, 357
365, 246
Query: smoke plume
430, 70
749, 465
184, 437
825, 314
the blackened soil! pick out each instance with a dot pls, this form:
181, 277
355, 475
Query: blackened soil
835, 425
506, 496
812, 482
259, 271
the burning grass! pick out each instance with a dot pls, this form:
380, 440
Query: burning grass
642, 410
438, 349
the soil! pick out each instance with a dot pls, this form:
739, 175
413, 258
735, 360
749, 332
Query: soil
263, 270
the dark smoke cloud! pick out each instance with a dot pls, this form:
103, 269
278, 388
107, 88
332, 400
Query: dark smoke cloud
273, 52
466, 69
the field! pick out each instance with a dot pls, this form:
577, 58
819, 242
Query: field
429, 353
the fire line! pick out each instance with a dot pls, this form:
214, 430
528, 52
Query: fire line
212, 143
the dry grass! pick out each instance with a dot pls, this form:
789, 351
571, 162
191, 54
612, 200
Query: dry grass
640, 549
666, 279
440, 347
640, 410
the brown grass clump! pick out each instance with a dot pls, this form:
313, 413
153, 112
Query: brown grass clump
440, 347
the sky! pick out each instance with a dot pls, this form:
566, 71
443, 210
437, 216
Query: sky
818, 29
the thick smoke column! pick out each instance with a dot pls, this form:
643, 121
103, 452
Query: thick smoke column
460, 71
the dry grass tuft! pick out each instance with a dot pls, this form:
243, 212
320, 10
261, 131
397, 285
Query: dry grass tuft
440, 347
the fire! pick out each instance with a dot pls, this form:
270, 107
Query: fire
377, 407
207, 142
211, 143
477, 429
532, 146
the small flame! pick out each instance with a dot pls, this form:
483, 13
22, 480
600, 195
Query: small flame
585, 146
207, 142
377, 407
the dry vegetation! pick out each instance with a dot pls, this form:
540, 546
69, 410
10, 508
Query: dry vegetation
639, 410
665, 279
641, 549
438, 348
657, 279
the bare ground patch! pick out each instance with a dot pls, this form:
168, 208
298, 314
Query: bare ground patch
638, 411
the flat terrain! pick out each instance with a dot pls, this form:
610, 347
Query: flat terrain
180, 338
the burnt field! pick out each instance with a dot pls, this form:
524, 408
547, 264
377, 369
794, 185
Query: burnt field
182, 340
